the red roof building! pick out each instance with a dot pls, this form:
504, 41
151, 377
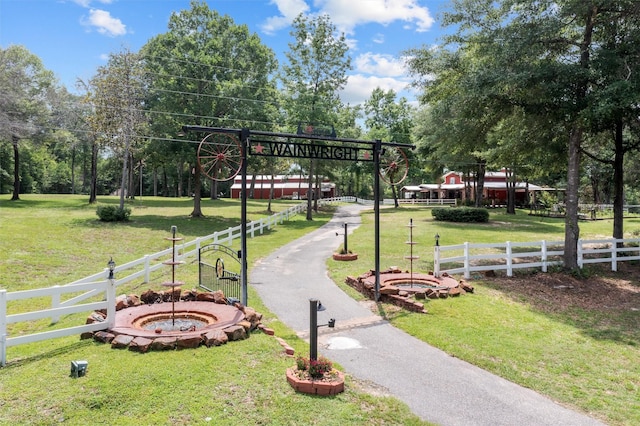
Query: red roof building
284, 186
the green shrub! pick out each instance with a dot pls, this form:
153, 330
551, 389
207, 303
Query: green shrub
113, 213
460, 214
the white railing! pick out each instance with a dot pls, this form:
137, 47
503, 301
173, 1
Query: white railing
424, 201
98, 284
467, 258
109, 303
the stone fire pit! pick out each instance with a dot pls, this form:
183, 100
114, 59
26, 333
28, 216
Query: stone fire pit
404, 289
171, 320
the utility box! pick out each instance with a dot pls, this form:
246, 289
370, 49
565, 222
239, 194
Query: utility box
78, 368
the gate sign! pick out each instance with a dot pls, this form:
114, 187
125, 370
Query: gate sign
311, 150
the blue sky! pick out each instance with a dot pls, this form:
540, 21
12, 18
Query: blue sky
74, 37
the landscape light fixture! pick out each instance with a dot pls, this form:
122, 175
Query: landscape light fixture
437, 236
111, 265
79, 368
314, 306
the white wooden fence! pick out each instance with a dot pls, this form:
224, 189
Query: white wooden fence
99, 284
467, 258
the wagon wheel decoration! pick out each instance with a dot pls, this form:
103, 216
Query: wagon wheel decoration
394, 166
220, 156
219, 268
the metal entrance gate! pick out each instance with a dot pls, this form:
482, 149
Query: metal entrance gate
214, 274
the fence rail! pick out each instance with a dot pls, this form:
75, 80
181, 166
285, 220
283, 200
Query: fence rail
98, 284
467, 258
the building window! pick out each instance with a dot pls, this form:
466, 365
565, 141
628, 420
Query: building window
452, 180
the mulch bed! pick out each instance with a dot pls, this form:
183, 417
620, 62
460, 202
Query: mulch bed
599, 289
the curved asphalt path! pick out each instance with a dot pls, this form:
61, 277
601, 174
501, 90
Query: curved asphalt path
437, 387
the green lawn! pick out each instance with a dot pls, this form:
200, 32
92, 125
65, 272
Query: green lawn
53, 240
585, 359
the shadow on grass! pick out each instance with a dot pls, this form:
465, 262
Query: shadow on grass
61, 350
603, 304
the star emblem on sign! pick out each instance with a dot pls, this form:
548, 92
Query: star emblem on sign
258, 149
366, 155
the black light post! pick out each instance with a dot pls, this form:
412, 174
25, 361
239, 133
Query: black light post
314, 306
346, 249
112, 266
436, 257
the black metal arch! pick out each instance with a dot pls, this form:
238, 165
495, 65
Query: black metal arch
275, 139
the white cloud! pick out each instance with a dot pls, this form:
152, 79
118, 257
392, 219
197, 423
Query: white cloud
105, 23
378, 38
289, 9
359, 87
346, 15
86, 3
380, 64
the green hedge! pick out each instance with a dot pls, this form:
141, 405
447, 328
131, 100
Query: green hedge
113, 213
460, 214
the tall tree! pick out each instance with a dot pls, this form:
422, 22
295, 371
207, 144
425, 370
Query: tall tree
118, 97
208, 71
317, 63
25, 87
388, 119
540, 55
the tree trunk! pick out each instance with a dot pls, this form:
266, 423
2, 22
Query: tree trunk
395, 195
310, 191
197, 183
511, 191
73, 170
618, 182
317, 193
16, 170
155, 181
252, 186
213, 191
179, 183
480, 183
271, 191
123, 183
571, 228
93, 191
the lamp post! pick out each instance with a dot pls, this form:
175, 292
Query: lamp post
346, 248
111, 294
112, 266
436, 257
314, 306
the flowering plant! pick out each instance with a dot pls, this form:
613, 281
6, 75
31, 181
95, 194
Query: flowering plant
316, 368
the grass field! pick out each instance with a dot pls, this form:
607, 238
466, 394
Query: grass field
587, 359
53, 240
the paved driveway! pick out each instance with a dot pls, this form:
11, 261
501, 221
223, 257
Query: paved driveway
437, 387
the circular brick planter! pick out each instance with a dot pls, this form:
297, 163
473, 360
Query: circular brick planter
316, 387
345, 257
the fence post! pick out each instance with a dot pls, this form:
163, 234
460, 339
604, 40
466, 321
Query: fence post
111, 303
509, 260
467, 272
55, 303
544, 256
614, 255
3, 328
580, 254
147, 268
